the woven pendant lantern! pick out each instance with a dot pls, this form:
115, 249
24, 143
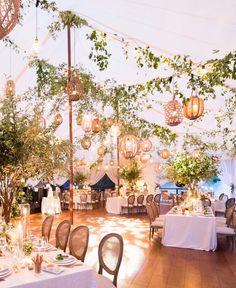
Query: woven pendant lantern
101, 151
86, 142
79, 120
195, 153
87, 123
145, 157
173, 113
111, 163
96, 125
9, 15
194, 108
146, 145
75, 88
109, 122
10, 88
164, 153
58, 119
129, 146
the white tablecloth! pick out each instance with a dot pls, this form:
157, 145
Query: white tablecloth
79, 276
50, 205
114, 204
186, 231
76, 201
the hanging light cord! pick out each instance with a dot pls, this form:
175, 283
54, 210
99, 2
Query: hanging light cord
36, 19
10, 63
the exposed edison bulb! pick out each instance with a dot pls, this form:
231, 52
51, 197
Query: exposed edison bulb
36, 46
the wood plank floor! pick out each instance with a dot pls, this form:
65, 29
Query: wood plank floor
148, 264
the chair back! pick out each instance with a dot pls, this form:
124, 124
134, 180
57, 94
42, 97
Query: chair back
47, 226
131, 200
62, 234
140, 199
229, 215
221, 196
149, 198
78, 242
150, 212
229, 203
155, 209
83, 198
110, 253
234, 220
179, 199
206, 202
157, 198
66, 197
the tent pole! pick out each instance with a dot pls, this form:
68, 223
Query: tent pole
70, 126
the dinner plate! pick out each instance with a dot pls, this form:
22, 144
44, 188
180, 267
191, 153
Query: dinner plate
5, 272
45, 247
64, 262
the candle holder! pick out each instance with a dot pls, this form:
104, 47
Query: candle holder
38, 259
25, 212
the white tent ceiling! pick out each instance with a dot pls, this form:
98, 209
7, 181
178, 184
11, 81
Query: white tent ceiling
170, 27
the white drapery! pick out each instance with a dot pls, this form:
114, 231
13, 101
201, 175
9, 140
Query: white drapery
97, 175
228, 174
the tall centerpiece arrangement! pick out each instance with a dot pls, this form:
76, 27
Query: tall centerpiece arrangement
189, 170
131, 173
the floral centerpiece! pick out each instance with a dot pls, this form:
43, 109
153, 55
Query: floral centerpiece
189, 170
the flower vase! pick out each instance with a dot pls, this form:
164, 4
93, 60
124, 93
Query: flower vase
192, 190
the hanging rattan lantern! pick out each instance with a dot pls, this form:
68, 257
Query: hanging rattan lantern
194, 108
145, 157
164, 153
87, 123
96, 125
9, 15
109, 122
173, 113
111, 163
58, 119
86, 142
129, 146
146, 145
10, 88
75, 88
101, 151
79, 120
195, 153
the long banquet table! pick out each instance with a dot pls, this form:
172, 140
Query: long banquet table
189, 231
77, 276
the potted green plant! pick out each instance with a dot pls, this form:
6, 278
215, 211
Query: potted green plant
80, 178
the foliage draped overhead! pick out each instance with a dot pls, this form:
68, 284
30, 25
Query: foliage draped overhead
130, 100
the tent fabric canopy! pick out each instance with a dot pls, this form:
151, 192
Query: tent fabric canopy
104, 183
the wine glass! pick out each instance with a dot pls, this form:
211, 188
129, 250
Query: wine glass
3, 244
